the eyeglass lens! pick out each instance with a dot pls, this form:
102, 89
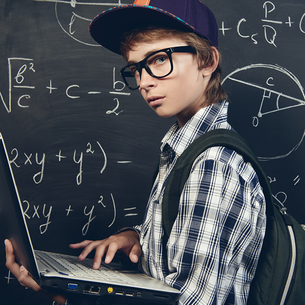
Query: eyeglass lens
157, 65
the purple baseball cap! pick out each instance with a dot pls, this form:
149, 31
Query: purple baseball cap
108, 27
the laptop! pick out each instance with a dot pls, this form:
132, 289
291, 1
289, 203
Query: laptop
65, 272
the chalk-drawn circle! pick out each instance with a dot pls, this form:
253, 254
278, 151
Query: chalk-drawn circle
265, 100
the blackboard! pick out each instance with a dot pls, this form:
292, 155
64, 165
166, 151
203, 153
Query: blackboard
83, 147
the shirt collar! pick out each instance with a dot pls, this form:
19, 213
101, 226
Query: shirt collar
204, 120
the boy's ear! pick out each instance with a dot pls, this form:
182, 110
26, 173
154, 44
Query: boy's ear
207, 71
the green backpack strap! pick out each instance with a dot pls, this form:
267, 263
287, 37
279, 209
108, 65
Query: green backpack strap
182, 168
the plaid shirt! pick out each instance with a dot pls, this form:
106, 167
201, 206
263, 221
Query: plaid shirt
215, 242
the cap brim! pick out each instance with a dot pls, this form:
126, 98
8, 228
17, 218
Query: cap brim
109, 27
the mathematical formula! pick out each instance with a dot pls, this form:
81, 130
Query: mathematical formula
44, 213
40, 160
21, 70
271, 95
269, 25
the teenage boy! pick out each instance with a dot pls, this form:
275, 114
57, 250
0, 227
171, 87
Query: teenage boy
212, 252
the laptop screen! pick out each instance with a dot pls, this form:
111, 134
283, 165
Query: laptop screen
13, 223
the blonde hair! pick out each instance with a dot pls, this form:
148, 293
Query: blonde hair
204, 53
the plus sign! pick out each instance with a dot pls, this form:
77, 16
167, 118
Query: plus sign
9, 277
223, 29
289, 22
59, 156
51, 88
69, 210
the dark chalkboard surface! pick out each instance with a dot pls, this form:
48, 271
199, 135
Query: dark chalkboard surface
83, 147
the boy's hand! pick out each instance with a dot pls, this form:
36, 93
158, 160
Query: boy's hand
21, 274
127, 241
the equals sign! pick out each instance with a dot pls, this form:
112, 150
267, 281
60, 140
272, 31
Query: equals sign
296, 179
130, 212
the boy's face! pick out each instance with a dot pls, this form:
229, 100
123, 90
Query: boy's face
180, 94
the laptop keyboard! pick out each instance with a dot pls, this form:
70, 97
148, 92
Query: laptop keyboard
72, 266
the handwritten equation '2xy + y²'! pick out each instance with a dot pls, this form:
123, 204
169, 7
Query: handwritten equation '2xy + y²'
32, 159
44, 213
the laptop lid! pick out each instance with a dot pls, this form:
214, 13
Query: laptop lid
13, 222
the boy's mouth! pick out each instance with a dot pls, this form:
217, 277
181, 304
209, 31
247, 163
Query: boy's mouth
155, 100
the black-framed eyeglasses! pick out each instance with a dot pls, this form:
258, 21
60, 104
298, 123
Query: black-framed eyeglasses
158, 64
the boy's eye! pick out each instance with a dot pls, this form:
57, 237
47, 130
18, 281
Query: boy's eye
157, 59
160, 60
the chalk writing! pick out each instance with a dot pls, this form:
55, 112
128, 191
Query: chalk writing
90, 219
105, 157
72, 24
28, 159
101, 201
70, 95
268, 91
77, 157
130, 211
17, 81
44, 227
47, 215
280, 198
301, 24
79, 177
69, 210
15, 154
118, 87
39, 174
25, 210
271, 180
36, 211
114, 211
89, 149
9, 277
113, 205
296, 180
44, 213
73, 3
269, 26
60, 156
113, 111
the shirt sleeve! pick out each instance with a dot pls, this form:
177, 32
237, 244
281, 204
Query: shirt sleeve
216, 239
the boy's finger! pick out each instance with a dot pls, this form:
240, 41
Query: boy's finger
135, 253
111, 251
99, 253
90, 247
82, 244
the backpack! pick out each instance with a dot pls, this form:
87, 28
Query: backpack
280, 274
